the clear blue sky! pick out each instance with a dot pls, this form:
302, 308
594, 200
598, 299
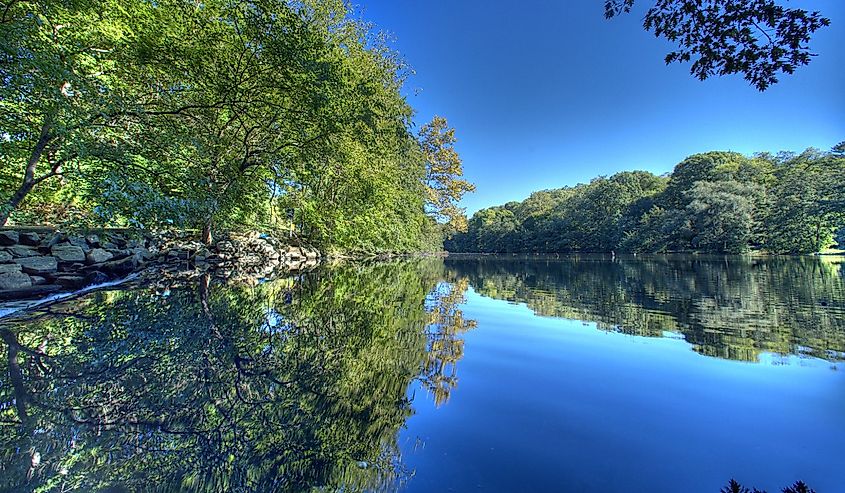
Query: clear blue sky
547, 93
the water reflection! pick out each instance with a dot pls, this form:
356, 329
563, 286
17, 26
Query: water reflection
293, 385
728, 307
302, 384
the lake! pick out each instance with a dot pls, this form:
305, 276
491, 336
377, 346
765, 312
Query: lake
498, 374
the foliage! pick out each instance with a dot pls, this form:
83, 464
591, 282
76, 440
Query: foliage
721, 202
219, 115
734, 487
443, 167
756, 38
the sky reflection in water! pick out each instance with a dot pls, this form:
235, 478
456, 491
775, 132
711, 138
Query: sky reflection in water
579, 374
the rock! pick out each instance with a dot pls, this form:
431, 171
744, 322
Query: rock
95, 277
5, 256
142, 253
120, 267
68, 253
14, 280
8, 238
93, 240
98, 255
9, 268
22, 251
37, 280
29, 292
70, 281
37, 265
77, 241
31, 239
50, 240
295, 252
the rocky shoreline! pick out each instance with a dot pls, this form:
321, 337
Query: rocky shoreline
39, 262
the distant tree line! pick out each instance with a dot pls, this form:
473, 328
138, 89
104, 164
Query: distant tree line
217, 115
717, 202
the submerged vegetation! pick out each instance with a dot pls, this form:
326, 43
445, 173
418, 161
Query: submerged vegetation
218, 115
720, 202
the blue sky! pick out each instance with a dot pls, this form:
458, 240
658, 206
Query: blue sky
547, 93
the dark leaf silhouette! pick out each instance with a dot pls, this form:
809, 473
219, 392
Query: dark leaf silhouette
756, 38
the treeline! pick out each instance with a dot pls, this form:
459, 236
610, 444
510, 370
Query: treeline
719, 202
218, 115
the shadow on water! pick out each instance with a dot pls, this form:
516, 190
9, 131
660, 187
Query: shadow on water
728, 307
291, 385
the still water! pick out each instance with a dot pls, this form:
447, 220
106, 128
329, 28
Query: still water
657, 374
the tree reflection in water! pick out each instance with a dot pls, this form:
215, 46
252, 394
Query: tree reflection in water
727, 307
302, 384
291, 385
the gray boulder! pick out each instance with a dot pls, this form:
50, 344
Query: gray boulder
97, 256
37, 265
31, 239
77, 241
14, 280
8, 238
5, 256
120, 267
50, 240
8, 268
29, 292
22, 251
70, 281
95, 277
68, 253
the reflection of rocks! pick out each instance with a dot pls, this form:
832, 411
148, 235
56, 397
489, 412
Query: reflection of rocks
249, 258
33, 263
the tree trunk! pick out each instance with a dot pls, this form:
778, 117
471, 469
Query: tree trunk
29, 174
206, 233
13, 202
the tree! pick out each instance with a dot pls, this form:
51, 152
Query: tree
807, 207
443, 167
65, 67
722, 215
756, 38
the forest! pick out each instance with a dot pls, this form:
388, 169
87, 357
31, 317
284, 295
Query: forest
715, 202
218, 116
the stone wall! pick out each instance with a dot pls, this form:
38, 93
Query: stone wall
39, 262
34, 263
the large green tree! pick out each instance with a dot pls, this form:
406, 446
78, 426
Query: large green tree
65, 67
